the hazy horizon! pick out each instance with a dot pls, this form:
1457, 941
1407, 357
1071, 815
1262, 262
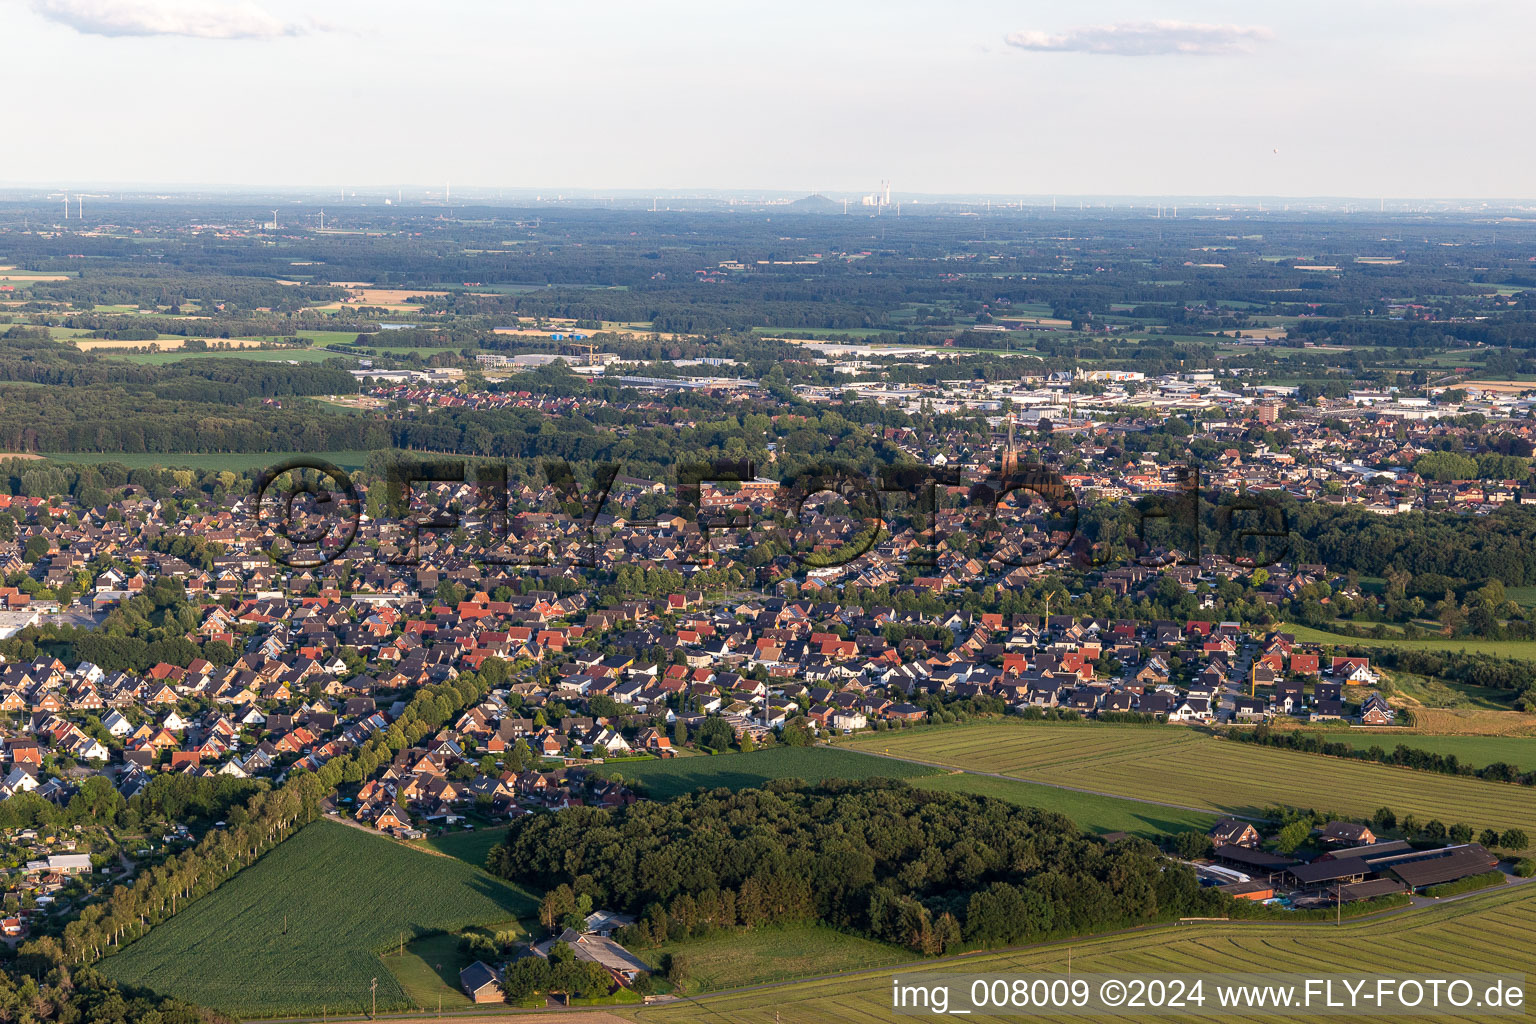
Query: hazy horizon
1414, 99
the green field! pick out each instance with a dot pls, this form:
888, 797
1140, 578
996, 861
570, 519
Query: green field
737, 771
302, 929
1503, 648
239, 463
428, 972
470, 847
1091, 812
321, 338
1477, 751
1491, 933
1190, 768
260, 355
676, 776
773, 954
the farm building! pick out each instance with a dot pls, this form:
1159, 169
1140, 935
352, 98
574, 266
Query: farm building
1369, 890
1250, 890
1448, 865
481, 983
1251, 860
598, 949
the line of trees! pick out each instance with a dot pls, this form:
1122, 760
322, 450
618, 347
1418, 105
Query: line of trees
158, 893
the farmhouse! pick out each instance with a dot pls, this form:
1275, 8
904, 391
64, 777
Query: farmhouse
1231, 832
1346, 833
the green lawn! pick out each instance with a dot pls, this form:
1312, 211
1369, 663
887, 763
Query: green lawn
772, 954
302, 929
675, 776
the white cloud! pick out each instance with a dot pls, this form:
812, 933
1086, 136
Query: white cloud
200, 19
1146, 38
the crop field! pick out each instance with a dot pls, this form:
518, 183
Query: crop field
302, 929
1190, 768
164, 343
773, 954
1491, 933
676, 776
259, 355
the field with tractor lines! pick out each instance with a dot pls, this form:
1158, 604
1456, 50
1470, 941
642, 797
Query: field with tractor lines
1485, 934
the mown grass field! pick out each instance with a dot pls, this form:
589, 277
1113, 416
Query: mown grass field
470, 847
1491, 933
1190, 768
1091, 812
1525, 649
428, 972
260, 355
773, 954
345, 896
1477, 751
673, 777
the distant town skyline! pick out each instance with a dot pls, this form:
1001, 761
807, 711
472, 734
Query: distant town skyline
1406, 99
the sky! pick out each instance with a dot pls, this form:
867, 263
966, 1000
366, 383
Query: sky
1370, 98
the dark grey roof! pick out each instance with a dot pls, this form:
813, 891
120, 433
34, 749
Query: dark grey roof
476, 976
1455, 862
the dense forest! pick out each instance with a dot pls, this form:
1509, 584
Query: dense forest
931, 871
